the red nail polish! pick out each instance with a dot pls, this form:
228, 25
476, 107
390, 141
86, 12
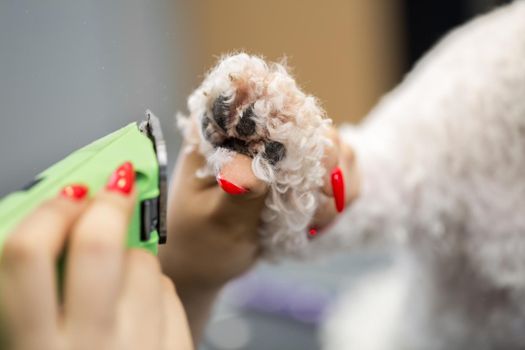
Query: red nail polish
312, 233
338, 186
122, 179
230, 188
75, 192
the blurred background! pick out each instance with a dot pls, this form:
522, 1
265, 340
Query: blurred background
73, 71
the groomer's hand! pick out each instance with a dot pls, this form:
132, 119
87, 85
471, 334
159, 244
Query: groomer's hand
113, 298
213, 223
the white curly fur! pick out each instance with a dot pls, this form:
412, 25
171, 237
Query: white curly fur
443, 165
283, 113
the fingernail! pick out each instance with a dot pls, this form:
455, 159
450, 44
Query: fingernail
230, 188
312, 233
338, 186
75, 192
122, 179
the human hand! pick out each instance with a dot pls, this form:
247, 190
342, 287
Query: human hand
213, 230
113, 298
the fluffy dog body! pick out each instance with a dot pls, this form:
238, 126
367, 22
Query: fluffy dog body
443, 165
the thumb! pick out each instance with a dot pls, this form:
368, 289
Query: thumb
238, 179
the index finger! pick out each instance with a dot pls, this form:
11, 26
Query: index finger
331, 160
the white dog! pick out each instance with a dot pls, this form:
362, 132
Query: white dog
443, 169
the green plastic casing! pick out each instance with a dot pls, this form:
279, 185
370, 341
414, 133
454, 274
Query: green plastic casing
92, 165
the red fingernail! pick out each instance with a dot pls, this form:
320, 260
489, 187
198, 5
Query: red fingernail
75, 192
122, 179
338, 186
312, 233
230, 188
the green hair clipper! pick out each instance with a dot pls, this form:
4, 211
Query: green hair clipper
140, 143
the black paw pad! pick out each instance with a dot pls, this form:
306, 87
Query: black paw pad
246, 125
236, 145
211, 133
274, 151
221, 111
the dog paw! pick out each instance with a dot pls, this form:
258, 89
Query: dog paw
255, 108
